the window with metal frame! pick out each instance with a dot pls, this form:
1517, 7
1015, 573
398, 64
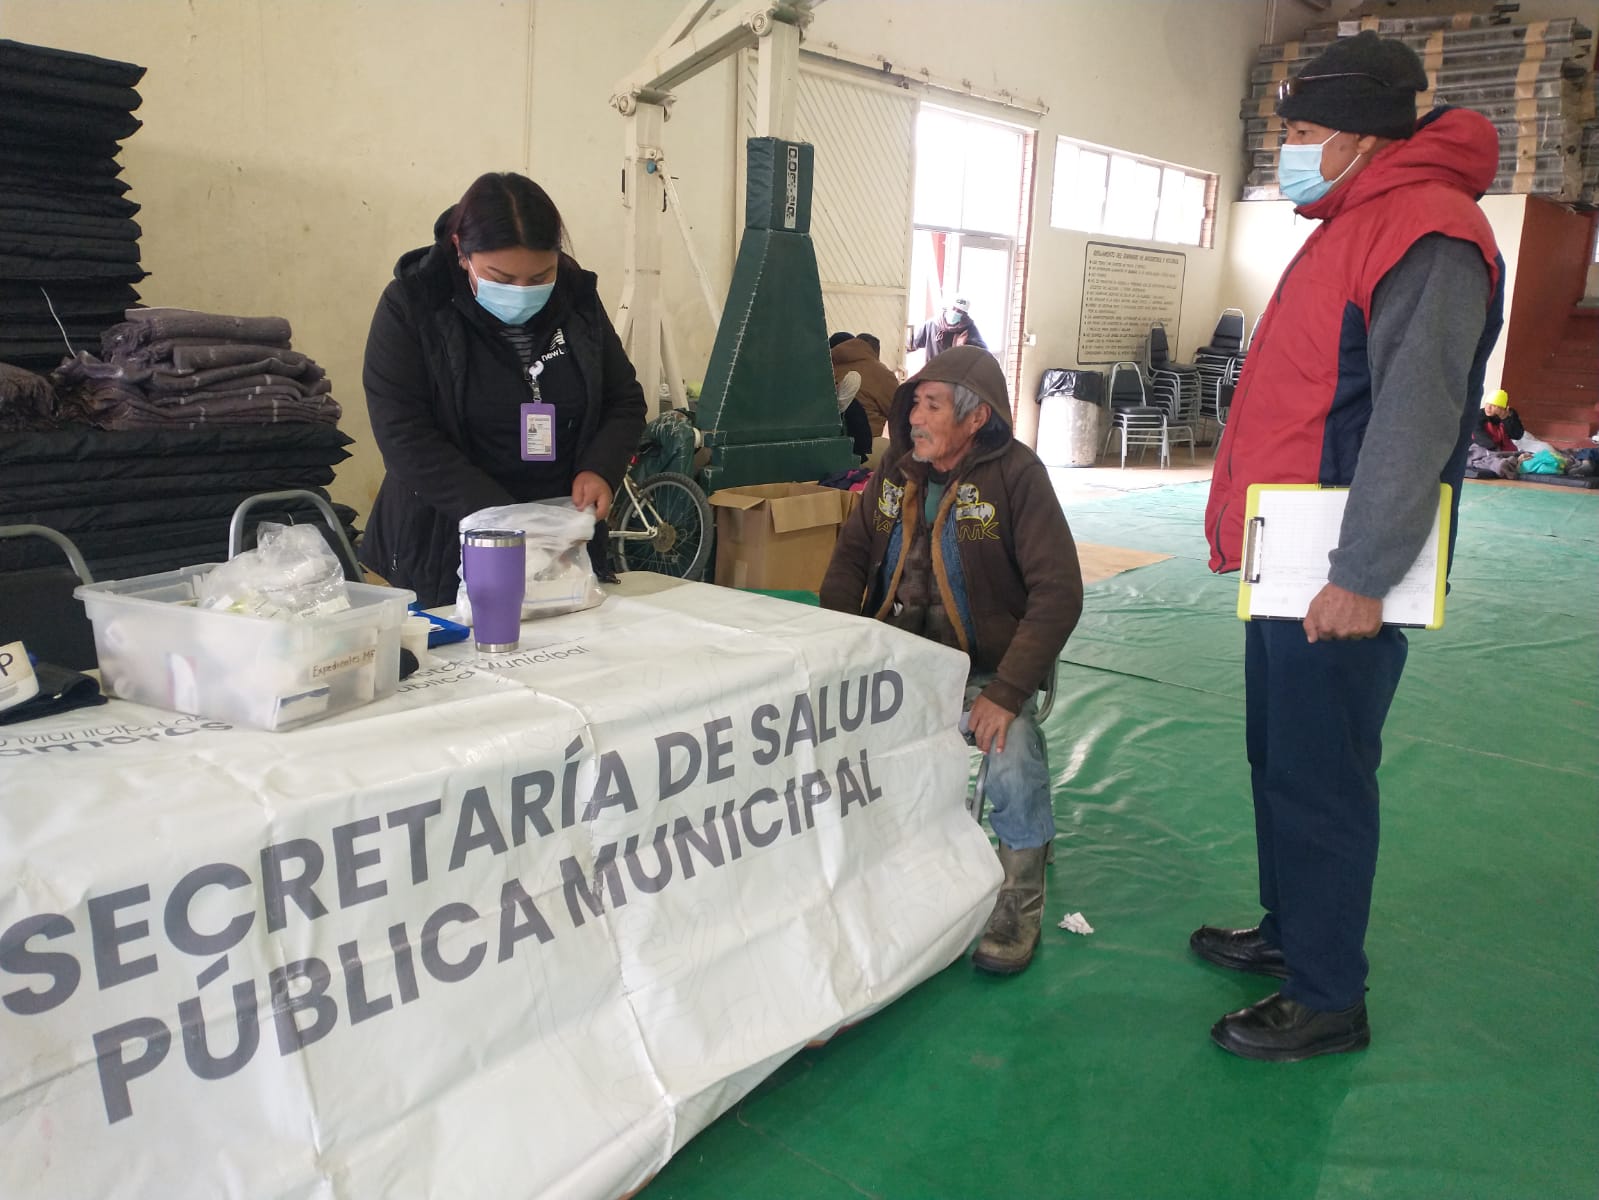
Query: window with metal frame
1101, 190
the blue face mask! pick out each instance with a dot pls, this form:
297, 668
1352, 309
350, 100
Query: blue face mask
1299, 173
510, 302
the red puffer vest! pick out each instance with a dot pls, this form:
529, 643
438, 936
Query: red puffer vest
1304, 398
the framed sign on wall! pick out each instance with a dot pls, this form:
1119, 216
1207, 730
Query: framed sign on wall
1126, 289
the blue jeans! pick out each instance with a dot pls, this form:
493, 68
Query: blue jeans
1017, 787
1314, 716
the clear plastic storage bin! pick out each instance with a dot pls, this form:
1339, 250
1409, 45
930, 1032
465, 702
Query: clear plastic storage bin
155, 647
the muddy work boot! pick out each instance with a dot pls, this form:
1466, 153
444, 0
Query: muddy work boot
1013, 927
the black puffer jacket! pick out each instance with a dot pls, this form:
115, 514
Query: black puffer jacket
430, 342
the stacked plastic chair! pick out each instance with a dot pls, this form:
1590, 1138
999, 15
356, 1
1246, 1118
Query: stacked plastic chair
1174, 386
1160, 358
1179, 400
1219, 361
1140, 422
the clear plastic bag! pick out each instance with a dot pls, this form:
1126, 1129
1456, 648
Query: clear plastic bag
560, 577
291, 573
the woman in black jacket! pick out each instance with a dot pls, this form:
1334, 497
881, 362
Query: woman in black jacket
493, 376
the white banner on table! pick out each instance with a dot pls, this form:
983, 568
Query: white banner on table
521, 930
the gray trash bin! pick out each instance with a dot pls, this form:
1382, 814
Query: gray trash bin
1070, 419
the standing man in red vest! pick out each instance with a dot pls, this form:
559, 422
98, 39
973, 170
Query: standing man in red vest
1366, 372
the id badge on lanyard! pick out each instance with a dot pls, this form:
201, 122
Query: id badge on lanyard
538, 421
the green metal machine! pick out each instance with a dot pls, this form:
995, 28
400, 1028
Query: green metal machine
767, 411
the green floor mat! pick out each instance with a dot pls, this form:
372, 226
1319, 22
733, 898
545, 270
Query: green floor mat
782, 594
1091, 1074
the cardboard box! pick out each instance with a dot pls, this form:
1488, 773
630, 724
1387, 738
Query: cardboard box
776, 536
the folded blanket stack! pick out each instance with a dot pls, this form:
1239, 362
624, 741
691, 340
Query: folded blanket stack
69, 247
141, 501
172, 368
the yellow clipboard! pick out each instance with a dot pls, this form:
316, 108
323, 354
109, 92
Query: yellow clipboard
1291, 528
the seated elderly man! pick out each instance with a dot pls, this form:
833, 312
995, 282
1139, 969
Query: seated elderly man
959, 538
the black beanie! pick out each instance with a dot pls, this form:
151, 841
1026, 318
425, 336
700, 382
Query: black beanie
1363, 84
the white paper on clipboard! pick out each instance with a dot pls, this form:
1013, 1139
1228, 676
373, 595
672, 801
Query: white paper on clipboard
1290, 529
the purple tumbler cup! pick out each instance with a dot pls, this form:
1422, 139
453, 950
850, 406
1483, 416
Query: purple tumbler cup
494, 565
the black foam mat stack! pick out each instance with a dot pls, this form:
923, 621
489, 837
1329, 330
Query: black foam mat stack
69, 244
140, 501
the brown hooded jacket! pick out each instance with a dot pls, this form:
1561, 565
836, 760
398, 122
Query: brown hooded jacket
877, 381
1023, 585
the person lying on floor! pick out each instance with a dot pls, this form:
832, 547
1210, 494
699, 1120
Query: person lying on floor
1550, 461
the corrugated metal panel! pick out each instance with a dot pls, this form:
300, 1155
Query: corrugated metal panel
861, 209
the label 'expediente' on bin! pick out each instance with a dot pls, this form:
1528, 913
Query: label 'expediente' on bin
345, 662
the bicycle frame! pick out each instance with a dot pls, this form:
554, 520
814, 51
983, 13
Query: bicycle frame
647, 513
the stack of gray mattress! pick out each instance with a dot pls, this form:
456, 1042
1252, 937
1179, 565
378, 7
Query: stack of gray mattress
1532, 80
69, 247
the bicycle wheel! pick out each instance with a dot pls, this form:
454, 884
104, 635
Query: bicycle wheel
676, 506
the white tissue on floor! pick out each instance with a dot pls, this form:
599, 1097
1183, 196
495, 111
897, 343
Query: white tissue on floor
1076, 923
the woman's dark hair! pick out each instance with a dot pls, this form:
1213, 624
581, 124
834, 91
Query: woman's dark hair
838, 339
503, 209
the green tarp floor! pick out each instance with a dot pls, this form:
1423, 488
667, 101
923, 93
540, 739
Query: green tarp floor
1092, 1075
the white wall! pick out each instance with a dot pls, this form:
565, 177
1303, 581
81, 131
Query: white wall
1265, 236
293, 149
581, 48
1505, 214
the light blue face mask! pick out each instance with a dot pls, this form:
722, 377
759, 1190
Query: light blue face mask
1299, 173
511, 303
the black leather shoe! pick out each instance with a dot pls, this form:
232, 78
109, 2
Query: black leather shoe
1278, 1029
1238, 950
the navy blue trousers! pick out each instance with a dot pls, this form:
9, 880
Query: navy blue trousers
1314, 718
